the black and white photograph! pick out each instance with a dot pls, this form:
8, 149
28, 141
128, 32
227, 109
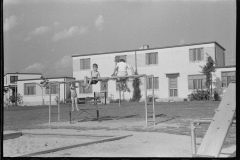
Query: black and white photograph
119, 78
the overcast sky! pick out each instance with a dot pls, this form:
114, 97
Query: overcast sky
41, 35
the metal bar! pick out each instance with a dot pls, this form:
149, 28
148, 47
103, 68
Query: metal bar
106, 78
119, 93
145, 87
105, 97
193, 138
49, 103
193, 135
153, 100
58, 102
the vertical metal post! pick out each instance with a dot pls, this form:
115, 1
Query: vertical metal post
136, 61
49, 103
145, 87
119, 88
105, 97
15, 93
8, 95
58, 102
153, 97
193, 139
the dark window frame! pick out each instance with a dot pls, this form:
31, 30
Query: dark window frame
152, 58
29, 88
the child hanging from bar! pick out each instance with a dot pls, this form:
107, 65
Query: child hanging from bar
94, 75
74, 96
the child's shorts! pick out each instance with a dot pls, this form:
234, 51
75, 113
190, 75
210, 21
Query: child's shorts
123, 73
93, 81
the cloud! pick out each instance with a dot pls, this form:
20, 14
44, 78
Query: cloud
65, 62
56, 24
63, 67
40, 30
99, 22
72, 31
10, 23
182, 41
36, 67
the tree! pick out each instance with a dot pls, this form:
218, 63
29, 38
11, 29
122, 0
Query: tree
207, 70
136, 89
44, 84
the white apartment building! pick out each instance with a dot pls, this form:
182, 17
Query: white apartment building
176, 69
34, 95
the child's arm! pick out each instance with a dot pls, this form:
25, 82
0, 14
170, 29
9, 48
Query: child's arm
132, 70
115, 69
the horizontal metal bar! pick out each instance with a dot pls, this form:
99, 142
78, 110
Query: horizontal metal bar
106, 78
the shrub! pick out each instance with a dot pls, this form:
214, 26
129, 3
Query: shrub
12, 99
136, 89
216, 96
199, 95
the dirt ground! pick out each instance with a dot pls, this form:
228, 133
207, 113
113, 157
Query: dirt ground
142, 141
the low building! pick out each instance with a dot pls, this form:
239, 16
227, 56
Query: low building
176, 69
10, 83
32, 94
222, 77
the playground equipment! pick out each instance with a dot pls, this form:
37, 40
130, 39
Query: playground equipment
215, 136
152, 113
93, 100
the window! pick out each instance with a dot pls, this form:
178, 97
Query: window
83, 90
173, 87
197, 82
13, 79
29, 89
85, 63
54, 89
196, 54
117, 58
227, 77
155, 81
151, 58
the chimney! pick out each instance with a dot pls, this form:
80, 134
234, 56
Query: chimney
144, 47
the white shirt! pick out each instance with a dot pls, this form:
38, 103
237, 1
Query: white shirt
122, 66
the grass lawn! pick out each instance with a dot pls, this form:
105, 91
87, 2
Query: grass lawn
28, 117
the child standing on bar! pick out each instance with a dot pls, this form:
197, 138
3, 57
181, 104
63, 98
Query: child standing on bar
74, 96
94, 75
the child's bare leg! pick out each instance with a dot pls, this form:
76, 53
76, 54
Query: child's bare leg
72, 98
85, 81
76, 103
89, 83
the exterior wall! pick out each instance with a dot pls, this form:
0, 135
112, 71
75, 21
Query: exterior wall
11, 86
170, 60
220, 60
20, 76
217, 79
38, 98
